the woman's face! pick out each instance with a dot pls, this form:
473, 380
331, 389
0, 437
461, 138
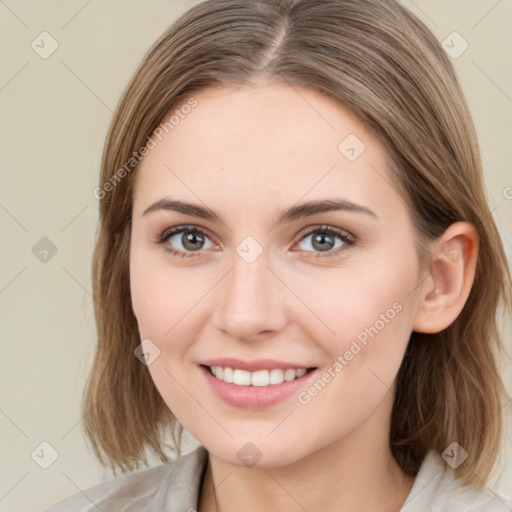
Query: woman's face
257, 281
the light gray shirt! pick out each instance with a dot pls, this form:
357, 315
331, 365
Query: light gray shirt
176, 486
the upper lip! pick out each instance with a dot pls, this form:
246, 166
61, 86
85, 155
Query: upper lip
255, 365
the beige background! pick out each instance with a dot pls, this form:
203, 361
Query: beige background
54, 115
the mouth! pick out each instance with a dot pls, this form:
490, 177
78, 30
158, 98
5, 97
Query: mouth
259, 378
257, 389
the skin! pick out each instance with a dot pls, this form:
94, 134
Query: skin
247, 154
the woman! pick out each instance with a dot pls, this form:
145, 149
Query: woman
298, 265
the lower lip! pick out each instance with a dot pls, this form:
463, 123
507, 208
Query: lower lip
255, 397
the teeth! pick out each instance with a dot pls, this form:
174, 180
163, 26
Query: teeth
228, 375
241, 377
258, 378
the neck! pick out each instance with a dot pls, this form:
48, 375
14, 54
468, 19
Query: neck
356, 473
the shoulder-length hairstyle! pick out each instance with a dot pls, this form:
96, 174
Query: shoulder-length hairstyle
381, 62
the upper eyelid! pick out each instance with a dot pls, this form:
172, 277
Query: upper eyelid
183, 228
324, 227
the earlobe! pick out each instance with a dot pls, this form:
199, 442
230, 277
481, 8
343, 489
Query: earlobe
446, 288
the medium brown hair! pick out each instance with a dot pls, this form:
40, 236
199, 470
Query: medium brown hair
381, 62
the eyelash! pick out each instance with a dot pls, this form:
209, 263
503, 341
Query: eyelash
348, 240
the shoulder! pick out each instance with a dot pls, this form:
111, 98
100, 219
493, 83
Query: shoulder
173, 485
437, 490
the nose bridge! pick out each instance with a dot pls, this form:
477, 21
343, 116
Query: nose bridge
250, 302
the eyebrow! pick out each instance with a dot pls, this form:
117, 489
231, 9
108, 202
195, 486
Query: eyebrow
294, 213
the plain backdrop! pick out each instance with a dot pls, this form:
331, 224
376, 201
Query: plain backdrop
54, 112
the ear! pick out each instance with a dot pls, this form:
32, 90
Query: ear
446, 288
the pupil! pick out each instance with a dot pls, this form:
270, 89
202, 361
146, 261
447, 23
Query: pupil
190, 239
323, 242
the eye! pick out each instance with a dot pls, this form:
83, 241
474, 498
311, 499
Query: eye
183, 241
189, 241
326, 241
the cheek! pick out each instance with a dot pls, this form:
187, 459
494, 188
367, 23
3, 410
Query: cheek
167, 305
371, 319
363, 314
350, 299
163, 298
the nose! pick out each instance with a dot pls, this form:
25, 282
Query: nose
251, 301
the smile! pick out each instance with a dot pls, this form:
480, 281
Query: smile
259, 388
258, 378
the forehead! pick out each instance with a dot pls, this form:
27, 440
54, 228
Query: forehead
269, 143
